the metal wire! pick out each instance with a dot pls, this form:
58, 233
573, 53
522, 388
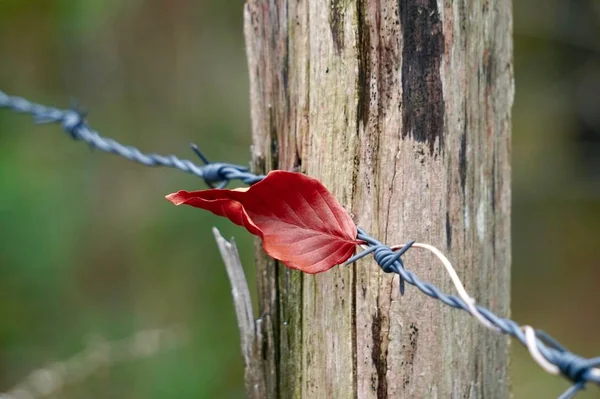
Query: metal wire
73, 123
579, 370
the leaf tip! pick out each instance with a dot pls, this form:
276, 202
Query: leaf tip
175, 198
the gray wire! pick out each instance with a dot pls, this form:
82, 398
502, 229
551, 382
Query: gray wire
577, 369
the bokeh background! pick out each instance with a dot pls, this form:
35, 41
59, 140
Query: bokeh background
88, 247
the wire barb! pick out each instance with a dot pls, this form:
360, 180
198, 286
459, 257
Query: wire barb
545, 350
74, 124
199, 153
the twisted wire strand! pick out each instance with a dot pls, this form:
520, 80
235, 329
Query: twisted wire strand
73, 122
577, 369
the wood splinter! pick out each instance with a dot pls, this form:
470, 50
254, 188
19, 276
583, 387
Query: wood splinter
250, 330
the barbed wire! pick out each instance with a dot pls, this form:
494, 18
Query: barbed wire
73, 122
544, 349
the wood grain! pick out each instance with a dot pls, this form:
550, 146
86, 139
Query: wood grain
402, 109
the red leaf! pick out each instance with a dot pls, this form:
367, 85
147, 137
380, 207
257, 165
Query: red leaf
299, 221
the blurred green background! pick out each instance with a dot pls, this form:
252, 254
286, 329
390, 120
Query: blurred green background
89, 247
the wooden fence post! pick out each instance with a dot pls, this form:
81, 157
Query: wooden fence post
402, 109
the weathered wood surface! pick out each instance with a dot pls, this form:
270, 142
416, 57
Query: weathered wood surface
402, 109
250, 337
